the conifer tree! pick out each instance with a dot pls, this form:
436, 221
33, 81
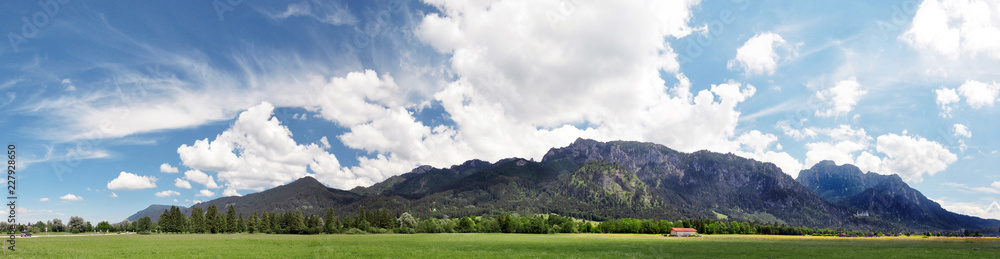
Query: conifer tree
197, 220
210, 219
252, 223
231, 220
332, 222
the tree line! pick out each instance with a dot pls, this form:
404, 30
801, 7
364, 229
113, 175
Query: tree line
211, 220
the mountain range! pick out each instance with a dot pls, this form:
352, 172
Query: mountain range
603, 180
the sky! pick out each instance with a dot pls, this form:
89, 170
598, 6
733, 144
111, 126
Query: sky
115, 105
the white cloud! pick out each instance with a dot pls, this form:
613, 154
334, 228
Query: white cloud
258, 152
992, 189
758, 143
324, 143
758, 55
129, 181
946, 98
43, 199
71, 197
205, 193
979, 94
181, 183
609, 55
843, 96
167, 193
230, 191
798, 134
912, 157
503, 81
114, 195
199, 177
962, 131
323, 11
989, 211
69, 85
956, 28
166, 168
844, 142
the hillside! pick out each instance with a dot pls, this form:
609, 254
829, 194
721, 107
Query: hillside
603, 180
884, 201
710, 185
306, 194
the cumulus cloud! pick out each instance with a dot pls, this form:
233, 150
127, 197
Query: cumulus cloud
230, 191
71, 197
989, 211
759, 144
946, 98
842, 97
167, 193
129, 181
956, 28
205, 193
324, 143
166, 168
503, 81
606, 53
756, 140
181, 183
844, 143
910, 157
979, 94
609, 55
258, 152
199, 177
962, 131
43, 199
114, 195
796, 133
759, 54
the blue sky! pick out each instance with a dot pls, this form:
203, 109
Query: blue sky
117, 105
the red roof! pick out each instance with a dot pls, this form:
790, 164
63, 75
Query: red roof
684, 230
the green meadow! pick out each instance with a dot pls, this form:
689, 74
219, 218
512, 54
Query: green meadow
496, 245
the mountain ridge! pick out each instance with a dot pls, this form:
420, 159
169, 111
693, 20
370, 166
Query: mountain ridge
884, 199
602, 180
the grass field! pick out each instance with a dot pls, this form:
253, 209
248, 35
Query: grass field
498, 245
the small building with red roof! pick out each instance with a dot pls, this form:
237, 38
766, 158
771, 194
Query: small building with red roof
683, 232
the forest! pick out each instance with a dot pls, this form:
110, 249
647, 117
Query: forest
382, 221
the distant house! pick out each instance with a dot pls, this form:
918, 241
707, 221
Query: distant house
683, 232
